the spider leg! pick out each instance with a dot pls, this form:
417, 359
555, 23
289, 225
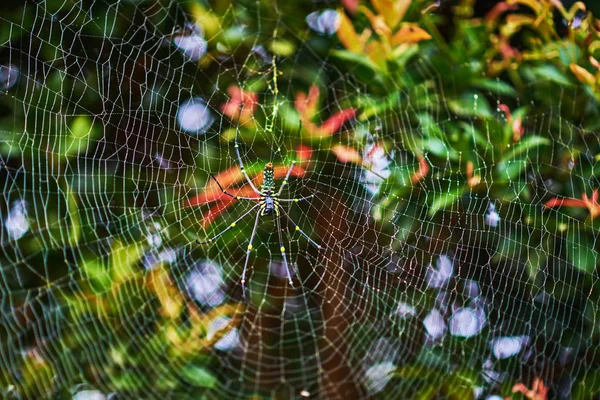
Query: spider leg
232, 195
239, 157
282, 248
248, 252
297, 229
298, 199
212, 239
285, 180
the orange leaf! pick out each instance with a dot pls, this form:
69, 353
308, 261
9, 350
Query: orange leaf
224, 203
472, 180
346, 154
231, 176
214, 212
245, 191
422, 172
212, 192
583, 74
410, 33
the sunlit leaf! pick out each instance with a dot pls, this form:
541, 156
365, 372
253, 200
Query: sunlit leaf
393, 11
347, 35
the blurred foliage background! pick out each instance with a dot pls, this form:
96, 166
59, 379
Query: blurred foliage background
453, 146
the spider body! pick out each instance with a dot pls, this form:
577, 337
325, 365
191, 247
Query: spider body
267, 203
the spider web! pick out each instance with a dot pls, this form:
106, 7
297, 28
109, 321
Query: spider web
114, 115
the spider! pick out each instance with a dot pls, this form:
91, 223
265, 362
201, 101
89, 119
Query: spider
268, 203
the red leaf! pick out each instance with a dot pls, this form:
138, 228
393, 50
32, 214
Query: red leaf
591, 203
335, 122
214, 212
422, 172
211, 192
307, 105
499, 9
241, 105
303, 152
350, 5
556, 202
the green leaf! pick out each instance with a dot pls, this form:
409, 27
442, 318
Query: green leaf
363, 65
510, 170
551, 73
282, 47
379, 107
81, 127
470, 104
444, 200
580, 251
198, 376
72, 210
123, 259
588, 386
429, 125
496, 87
436, 146
524, 146
98, 275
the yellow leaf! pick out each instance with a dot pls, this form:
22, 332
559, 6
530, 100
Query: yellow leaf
583, 74
410, 34
206, 20
393, 11
575, 8
514, 22
378, 23
376, 53
166, 292
123, 259
347, 34
533, 4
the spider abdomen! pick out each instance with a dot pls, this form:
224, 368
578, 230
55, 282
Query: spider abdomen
269, 205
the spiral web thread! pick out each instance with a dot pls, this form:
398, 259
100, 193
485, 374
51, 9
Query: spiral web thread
97, 224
